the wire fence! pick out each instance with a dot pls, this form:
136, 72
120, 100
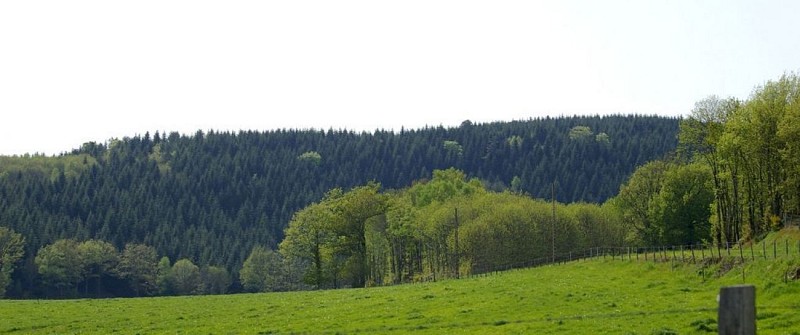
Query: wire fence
697, 253
784, 249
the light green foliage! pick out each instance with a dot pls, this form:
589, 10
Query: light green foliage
579, 133
402, 234
751, 148
312, 157
668, 204
789, 134
586, 297
603, 138
682, 207
701, 134
514, 141
512, 232
445, 227
445, 184
60, 265
164, 276
263, 271
185, 278
516, 184
352, 213
97, 259
138, 264
635, 201
68, 166
12, 248
308, 239
453, 148
598, 225
161, 159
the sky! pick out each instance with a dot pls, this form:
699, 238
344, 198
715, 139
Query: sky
79, 71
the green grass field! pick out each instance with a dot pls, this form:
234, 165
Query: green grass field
585, 297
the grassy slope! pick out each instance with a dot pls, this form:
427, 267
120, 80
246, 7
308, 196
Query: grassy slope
595, 296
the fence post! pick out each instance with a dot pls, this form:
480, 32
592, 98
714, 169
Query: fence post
737, 310
741, 255
774, 249
752, 254
683, 257
764, 246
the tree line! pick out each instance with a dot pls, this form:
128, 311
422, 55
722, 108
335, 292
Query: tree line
94, 268
732, 179
212, 197
445, 227
734, 176
752, 148
289, 210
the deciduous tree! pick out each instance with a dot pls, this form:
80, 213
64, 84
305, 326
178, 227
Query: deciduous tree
263, 271
138, 264
60, 265
12, 248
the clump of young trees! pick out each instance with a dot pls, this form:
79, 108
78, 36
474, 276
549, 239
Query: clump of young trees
752, 148
446, 227
735, 175
95, 268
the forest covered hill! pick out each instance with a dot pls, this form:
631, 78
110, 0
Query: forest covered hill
213, 196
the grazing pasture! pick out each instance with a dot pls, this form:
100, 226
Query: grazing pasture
588, 296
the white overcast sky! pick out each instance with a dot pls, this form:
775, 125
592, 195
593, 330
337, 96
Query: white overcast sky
77, 71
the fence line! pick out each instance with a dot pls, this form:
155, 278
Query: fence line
684, 253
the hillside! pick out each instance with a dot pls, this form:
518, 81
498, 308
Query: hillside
588, 296
212, 196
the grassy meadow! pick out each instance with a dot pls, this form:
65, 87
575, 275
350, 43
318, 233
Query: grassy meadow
589, 296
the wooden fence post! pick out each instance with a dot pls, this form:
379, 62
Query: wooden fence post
741, 254
774, 249
737, 310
